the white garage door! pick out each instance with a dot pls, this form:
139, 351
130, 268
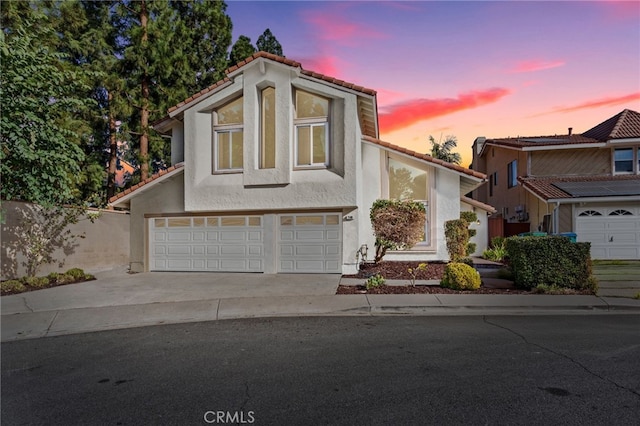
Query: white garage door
310, 243
614, 232
225, 243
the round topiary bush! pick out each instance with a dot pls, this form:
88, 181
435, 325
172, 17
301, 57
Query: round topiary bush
460, 276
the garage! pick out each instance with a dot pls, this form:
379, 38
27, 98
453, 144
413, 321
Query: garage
207, 243
296, 243
613, 231
310, 243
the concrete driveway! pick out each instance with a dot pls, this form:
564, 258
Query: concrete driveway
117, 288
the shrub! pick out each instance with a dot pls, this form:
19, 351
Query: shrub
53, 277
397, 225
459, 276
457, 233
498, 250
550, 260
375, 281
76, 273
66, 279
415, 271
36, 282
12, 286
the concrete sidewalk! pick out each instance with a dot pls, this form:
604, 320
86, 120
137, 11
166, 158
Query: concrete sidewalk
119, 300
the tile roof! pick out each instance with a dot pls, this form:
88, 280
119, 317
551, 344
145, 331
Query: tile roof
425, 157
147, 181
624, 125
526, 141
544, 186
279, 59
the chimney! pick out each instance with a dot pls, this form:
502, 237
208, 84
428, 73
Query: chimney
570, 130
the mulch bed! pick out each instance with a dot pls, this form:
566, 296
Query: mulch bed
396, 270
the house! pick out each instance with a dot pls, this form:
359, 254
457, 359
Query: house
274, 170
587, 184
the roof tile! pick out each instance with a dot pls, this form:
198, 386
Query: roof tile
145, 182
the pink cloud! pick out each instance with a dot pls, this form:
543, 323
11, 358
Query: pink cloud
323, 64
603, 102
332, 26
621, 10
404, 114
531, 66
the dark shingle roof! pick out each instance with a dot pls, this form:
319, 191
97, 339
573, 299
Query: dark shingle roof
547, 188
621, 126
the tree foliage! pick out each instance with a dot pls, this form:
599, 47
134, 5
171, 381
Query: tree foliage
267, 42
241, 49
443, 151
42, 99
397, 225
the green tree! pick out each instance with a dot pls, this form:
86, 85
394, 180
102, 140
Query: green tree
169, 50
42, 98
443, 151
241, 49
267, 42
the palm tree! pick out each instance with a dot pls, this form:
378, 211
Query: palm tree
442, 151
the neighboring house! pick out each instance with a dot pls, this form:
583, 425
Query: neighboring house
588, 183
275, 169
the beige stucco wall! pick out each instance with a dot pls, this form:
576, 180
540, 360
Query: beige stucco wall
164, 197
105, 246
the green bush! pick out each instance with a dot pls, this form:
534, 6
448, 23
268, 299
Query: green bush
53, 277
460, 276
76, 273
36, 282
12, 286
375, 281
550, 260
498, 250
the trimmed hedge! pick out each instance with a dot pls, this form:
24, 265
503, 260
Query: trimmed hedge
550, 260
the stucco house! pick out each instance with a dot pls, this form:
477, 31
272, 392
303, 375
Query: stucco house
587, 184
275, 169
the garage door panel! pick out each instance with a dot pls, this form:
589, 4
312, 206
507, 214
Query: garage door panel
621, 238
179, 250
309, 250
306, 235
187, 246
310, 243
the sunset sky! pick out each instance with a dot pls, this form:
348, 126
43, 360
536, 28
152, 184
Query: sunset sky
466, 68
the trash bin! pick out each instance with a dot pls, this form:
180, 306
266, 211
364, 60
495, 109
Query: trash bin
571, 235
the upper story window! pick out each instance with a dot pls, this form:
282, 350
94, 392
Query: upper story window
311, 130
268, 128
512, 178
626, 160
227, 137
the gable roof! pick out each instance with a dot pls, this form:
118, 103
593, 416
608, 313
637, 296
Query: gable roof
624, 125
368, 109
555, 188
125, 195
424, 157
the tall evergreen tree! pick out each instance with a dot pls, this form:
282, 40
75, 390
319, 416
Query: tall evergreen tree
241, 49
267, 42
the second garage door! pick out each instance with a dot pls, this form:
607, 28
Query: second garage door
310, 243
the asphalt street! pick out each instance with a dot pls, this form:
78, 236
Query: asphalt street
496, 370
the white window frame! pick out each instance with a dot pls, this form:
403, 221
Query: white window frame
635, 160
229, 129
311, 123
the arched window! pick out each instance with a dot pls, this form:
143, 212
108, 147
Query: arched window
590, 213
621, 212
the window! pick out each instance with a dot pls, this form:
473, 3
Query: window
623, 160
312, 130
227, 138
590, 213
268, 128
409, 183
512, 174
620, 212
